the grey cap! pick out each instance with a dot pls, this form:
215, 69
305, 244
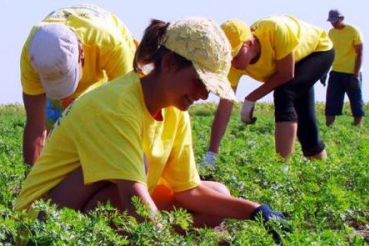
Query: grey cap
334, 14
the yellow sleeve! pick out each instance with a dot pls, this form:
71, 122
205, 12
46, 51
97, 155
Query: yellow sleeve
31, 83
181, 171
357, 37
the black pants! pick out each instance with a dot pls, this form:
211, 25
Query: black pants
295, 101
340, 84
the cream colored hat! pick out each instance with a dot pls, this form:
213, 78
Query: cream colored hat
54, 55
201, 41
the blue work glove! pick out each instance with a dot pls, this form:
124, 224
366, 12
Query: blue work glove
267, 214
209, 159
209, 165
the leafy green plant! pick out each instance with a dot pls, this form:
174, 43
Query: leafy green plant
327, 202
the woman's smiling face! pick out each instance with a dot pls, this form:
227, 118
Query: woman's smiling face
186, 88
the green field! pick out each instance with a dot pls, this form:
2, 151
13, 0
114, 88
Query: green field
327, 202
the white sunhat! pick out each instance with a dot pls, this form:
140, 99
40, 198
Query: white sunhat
54, 55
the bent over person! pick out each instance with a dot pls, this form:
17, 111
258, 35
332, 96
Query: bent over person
100, 156
345, 76
288, 56
72, 50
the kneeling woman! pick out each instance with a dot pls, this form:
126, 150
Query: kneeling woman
137, 136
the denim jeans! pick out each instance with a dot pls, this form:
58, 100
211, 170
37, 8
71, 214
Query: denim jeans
338, 85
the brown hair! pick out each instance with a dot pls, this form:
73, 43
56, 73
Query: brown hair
151, 49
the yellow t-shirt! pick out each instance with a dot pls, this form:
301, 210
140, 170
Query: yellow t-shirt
108, 137
279, 36
344, 41
107, 43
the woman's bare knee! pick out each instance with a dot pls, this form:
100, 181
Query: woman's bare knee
217, 186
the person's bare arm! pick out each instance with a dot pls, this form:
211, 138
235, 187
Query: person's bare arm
127, 190
203, 199
220, 123
35, 129
285, 72
358, 59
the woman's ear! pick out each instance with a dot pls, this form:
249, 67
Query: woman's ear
168, 63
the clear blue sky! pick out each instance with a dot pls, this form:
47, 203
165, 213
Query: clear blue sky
18, 17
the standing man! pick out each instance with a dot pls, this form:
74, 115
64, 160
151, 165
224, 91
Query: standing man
345, 76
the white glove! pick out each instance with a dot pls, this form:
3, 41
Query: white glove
247, 112
209, 159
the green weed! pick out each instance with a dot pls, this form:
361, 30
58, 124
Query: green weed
327, 202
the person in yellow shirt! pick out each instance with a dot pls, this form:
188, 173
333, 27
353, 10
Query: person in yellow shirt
288, 56
72, 50
345, 76
136, 139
